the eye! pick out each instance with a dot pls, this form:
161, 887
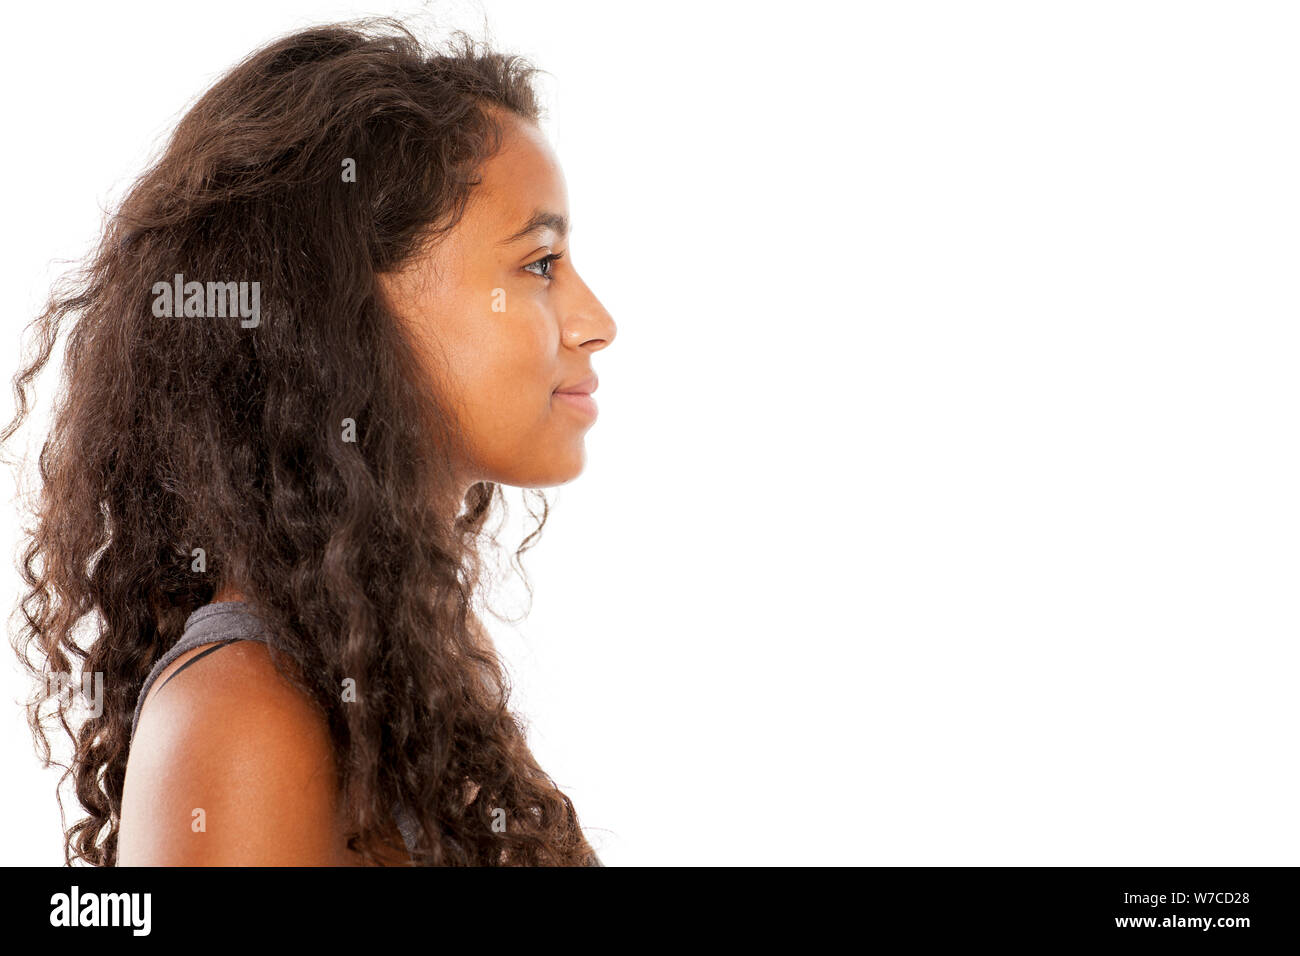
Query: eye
545, 262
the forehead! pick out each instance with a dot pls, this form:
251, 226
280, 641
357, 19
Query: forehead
524, 176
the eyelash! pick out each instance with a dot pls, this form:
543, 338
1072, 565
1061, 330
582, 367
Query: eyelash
549, 260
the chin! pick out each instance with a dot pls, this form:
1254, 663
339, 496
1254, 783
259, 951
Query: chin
560, 470
557, 477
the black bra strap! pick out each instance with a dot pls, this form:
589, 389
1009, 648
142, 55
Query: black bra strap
214, 647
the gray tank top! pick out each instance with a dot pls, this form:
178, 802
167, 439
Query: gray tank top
224, 622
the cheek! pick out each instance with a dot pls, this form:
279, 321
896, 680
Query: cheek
506, 369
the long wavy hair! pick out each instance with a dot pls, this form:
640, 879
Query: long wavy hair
361, 557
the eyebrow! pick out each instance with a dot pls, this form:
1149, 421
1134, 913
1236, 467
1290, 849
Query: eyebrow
541, 219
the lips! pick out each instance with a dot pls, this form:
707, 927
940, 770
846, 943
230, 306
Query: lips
578, 396
584, 387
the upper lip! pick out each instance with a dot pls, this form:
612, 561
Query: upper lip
584, 387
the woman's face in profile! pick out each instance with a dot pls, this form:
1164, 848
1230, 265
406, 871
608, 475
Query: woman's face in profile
508, 326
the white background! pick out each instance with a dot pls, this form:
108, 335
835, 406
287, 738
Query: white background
943, 505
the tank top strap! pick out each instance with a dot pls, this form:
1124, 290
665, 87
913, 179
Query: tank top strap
219, 623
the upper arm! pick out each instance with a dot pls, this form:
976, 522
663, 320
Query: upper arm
232, 766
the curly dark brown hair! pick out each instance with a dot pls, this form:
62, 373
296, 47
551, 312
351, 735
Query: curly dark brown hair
361, 557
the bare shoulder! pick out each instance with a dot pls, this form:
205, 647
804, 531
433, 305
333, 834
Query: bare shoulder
231, 765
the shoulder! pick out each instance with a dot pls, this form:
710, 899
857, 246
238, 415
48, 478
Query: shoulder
231, 765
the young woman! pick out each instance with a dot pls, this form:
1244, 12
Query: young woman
318, 336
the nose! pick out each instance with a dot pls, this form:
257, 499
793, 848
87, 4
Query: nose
589, 325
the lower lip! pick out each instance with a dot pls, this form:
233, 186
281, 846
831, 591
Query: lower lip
584, 403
